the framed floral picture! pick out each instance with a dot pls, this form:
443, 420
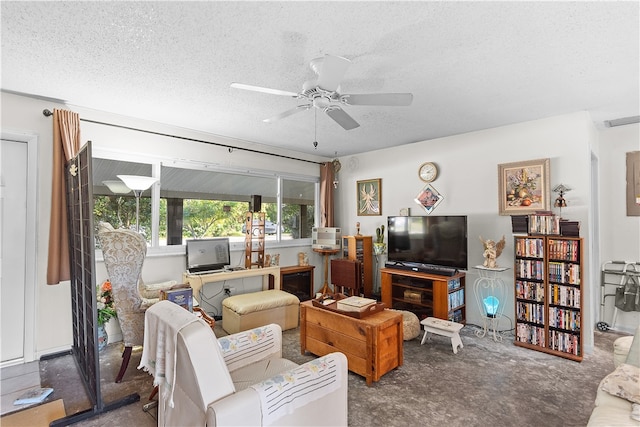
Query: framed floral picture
369, 197
428, 198
523, 187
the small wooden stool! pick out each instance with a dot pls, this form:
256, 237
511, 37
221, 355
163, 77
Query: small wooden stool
444, 328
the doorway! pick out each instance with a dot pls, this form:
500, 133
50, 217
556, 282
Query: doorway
17, 248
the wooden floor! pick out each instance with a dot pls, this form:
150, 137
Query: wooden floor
16, 380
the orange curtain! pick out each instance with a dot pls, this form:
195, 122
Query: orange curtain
326, 194
66, 144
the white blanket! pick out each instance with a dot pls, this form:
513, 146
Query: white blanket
160, 337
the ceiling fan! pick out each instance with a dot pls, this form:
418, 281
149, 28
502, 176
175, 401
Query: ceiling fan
324, 94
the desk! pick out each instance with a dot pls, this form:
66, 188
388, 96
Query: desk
196, 281
326, 253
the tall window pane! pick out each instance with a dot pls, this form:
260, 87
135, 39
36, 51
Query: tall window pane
298, 208
114, 203
206, 203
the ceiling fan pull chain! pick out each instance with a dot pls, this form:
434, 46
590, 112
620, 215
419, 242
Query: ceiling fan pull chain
315, 128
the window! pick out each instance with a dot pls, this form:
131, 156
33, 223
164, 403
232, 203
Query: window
201, 201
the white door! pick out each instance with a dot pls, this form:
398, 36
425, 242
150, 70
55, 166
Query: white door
13, 237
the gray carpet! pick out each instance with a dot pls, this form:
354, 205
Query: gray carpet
485, 384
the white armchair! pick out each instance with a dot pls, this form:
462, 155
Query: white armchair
240, 379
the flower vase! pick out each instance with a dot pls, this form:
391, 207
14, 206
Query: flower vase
103, 338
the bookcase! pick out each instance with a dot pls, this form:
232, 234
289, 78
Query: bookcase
254, 239
426, 295
360, 248
548, 294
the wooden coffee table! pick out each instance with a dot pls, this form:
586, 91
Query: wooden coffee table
373, 345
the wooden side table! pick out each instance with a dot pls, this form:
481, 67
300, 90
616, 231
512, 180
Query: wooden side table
326, 253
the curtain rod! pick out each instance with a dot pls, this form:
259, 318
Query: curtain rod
47, 113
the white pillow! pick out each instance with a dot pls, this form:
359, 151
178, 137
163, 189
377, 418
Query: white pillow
624, 382
153, 290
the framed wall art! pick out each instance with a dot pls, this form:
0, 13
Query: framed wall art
369, 193
633, 183
523, 187
429, 198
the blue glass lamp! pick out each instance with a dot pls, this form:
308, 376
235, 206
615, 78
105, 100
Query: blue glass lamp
491, 304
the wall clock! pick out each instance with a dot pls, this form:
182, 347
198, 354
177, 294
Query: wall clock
428, 172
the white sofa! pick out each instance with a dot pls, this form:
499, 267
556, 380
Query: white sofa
240, 379
611, 410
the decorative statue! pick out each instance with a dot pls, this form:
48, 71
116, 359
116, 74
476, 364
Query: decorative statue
492, 251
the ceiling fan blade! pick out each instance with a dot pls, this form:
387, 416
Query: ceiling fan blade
288, 113
388, 99
263, 89
331, 72
342, 118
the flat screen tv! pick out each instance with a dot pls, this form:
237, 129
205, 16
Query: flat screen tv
205, 255
432, 240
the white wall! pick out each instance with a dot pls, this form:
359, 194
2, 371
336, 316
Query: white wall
24, 115
620, 234
53, 305
468, 171
467, 179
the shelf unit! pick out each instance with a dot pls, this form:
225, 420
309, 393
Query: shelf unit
426, 295
298, 280
548, 291
254, 239
360, 248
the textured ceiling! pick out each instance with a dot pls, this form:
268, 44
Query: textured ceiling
470, 65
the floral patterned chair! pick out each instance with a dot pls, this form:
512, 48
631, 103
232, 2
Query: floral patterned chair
124, 252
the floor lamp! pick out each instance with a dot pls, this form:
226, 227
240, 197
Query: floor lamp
117, 187
138, 184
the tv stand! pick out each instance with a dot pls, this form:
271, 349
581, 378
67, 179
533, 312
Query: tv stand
425, 294
437, 270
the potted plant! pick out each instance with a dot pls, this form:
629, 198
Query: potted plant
106, 310
379, 246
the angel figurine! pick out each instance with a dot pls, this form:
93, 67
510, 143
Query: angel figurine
492, 251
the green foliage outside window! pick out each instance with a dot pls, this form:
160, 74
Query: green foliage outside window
200, 218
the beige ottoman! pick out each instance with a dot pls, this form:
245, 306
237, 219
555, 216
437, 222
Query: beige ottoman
246, 311
410, 325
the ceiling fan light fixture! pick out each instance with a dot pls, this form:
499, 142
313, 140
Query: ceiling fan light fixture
321, 102
324, 94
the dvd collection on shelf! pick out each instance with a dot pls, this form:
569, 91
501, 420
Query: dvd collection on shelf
453, 284
456, 299
548, 272
544, 222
